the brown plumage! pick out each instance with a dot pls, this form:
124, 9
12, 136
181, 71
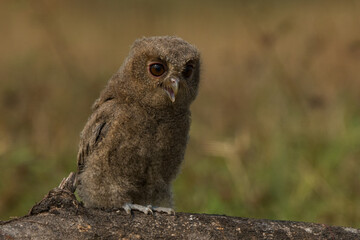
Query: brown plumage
133, 144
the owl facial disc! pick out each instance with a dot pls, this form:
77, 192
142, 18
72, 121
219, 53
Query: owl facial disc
171, 88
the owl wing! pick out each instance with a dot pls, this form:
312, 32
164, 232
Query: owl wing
94, 133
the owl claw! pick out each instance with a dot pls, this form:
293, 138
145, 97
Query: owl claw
169, 211
128, 207
145, 209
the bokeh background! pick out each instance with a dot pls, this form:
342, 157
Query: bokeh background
276, 126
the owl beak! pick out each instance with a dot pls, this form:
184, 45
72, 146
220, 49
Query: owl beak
172, 88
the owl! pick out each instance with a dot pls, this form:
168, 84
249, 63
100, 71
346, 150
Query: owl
133, 144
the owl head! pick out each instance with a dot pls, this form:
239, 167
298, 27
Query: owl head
161, 72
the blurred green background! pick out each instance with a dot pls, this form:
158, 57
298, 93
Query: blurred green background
276, 126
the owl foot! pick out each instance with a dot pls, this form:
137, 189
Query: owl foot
145, 209
169, 211
128, 207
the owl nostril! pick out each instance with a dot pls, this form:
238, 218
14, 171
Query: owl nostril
174, 81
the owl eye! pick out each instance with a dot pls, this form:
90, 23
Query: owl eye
157, 69
188, 71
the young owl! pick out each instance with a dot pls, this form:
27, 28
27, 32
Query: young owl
133, 143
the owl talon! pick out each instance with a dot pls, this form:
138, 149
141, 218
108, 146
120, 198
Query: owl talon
128, 207
169, 211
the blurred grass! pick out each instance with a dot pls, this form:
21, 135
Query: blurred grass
276, 126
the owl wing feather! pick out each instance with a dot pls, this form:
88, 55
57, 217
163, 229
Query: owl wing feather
94, 133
